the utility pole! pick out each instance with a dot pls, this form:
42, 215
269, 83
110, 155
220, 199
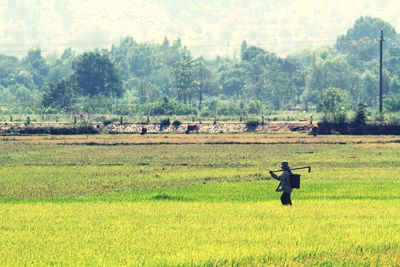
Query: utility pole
381, 77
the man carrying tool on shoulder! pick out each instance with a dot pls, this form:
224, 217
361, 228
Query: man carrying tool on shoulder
284, 185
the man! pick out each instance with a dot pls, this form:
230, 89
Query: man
284, 185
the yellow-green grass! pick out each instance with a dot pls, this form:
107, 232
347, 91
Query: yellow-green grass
198, 204
173, 233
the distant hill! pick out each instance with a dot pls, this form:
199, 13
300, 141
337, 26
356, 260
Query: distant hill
208, 27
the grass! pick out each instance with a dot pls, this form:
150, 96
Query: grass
198, 200
176, 139
174, 233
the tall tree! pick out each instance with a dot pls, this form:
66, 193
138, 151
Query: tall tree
204, 81
184, 77
142, 63
60, 68
9, 68
36, 65
119, 54
95, 74
360, 43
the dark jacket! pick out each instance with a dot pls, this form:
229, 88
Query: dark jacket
285, 185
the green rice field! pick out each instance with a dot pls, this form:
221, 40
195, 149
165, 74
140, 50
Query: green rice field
198, 200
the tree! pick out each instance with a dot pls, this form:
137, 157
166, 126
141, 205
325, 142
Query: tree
394, 84
95, 74
243, 49
168, 107
369, 87
8, 70
119, 54
60, 68
360, 43
254, 62
36, 65
142, 63
184, 78
165, 44
360, 119
392, 103
60, 97
334, 103
232, 80
205, 81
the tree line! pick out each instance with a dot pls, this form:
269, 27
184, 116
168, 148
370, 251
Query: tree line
166, 79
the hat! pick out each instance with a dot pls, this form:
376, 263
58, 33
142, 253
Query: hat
285, 164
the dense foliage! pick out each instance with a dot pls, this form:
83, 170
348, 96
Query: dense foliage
165, 79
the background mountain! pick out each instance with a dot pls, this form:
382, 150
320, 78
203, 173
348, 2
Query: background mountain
207, 27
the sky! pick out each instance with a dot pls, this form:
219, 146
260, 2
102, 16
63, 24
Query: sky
207, 27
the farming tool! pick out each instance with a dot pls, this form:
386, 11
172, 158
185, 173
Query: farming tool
295, 178
298, 168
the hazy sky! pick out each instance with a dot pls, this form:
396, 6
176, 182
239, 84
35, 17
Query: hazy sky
208, 27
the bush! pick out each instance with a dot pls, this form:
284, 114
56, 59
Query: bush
164, 123
108, 122
176, 124
81, 129
229, 109
392, 103
361, 115
348, 128
168, 107
334, 103
394, 119
207, 113
252, 125
256, 108
360, 119
94, 105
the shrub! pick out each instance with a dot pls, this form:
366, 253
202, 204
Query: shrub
176, 124
168, 107
164, 123
252, 125
394, 119
256, 108
108, 122
81, 129
361, 115
392, 103
334, 104
208, 113
229, 109
359, 121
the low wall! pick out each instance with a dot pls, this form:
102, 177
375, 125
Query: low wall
225, 127
132, 128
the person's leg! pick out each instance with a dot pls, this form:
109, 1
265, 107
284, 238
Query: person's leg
283, 200
286, 200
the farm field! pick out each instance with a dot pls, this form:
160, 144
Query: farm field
198, 200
